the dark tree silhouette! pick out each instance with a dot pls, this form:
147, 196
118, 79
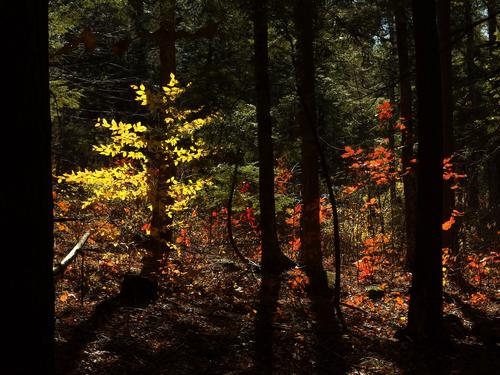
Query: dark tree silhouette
426, 307
161, 224
273, 261
26, 196
311, 256
443, 13
405, 111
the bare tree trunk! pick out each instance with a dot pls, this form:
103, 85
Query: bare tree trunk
273, 261
450, 240
229, 222
492, 22
390, 128
136, 11
167, 40
407, 139
426, 306
474, 103
161, 223
310, 236
272, 258
311, 255
26, 194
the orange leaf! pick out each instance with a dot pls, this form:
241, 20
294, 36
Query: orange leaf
349, 152
448, 224
63, 297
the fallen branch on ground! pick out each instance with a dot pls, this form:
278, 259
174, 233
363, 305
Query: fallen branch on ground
61, 267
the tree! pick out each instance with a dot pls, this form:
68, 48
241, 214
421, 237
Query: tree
166, 36
443, 16
407, 139
311, 256
426, 306
139, 153
26, 197
273, 262
161, 224
272, 257
310, 236
474, 103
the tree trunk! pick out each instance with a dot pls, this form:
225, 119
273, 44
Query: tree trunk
264, 327
161, 223
167, 40
492, 22
310, 236
390, 126
310, 255
426, 306
450, 239
272, 258
272, 261
494, 183
407, 138
136, 11
473, 110
494, 156
26, 192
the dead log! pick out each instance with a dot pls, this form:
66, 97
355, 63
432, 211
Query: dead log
61, 267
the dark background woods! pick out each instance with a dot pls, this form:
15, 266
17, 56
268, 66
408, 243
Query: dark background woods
300, 88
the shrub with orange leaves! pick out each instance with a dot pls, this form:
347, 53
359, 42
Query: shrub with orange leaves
479, 267
297, 279
375, 167
373, 258
385, 111
450, 175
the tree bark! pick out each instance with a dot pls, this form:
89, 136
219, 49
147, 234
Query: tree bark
492, 22
310, 236
407, 137
426, 306
136, 11
494, 183
161, 223
26, 192
494, 156
229, 220
167, 40
389, 130
311, 256
450, 239
273, 259
473, 110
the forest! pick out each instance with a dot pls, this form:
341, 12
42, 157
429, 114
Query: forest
251, 187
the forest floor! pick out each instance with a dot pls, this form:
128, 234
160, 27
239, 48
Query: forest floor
203, 323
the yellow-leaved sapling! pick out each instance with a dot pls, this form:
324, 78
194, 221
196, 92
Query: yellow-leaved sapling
144, 161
